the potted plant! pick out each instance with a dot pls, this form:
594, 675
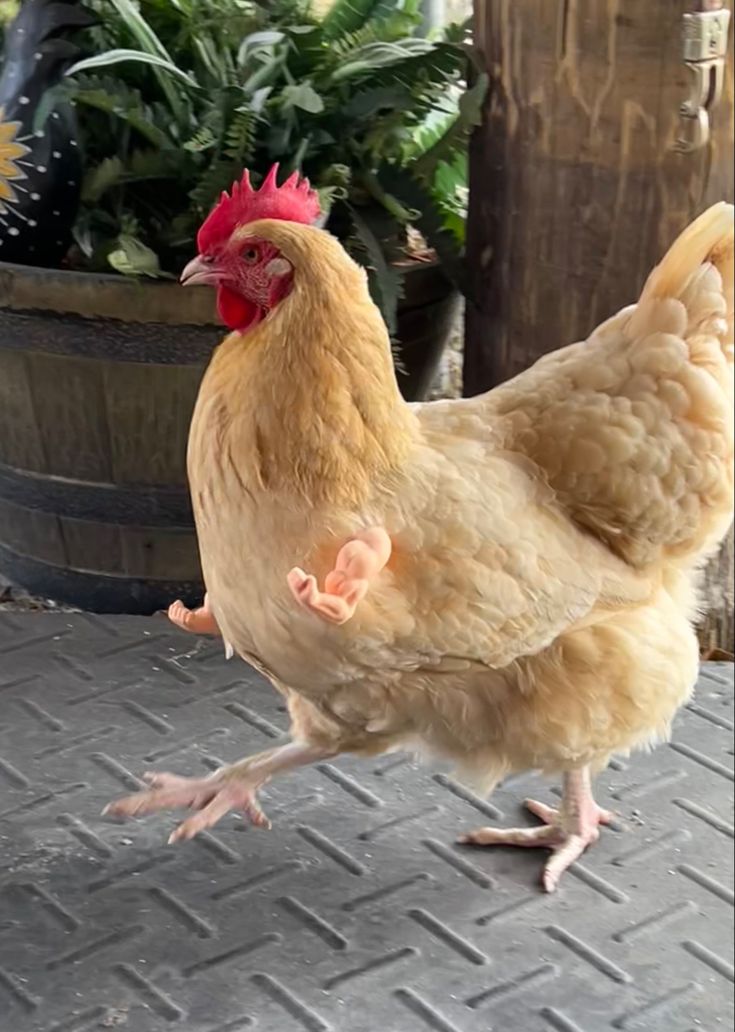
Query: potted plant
99, 362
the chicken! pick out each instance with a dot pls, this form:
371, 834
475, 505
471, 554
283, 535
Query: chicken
508, 581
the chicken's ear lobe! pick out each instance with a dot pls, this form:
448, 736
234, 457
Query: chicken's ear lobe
280, 272
278, 267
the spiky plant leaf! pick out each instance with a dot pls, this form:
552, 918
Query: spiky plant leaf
113, 57
202, 140
218, 177
345, 16
99, 179
240, 138
345, 101
383, 278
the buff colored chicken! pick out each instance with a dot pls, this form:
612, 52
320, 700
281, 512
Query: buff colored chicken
508, 581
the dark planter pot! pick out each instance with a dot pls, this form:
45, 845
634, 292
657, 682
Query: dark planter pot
98, 377
427, 314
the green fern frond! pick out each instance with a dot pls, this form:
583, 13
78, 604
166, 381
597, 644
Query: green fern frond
442, 64
202, 140
456, 133
218, 177
161, 152
347, 16
241, 136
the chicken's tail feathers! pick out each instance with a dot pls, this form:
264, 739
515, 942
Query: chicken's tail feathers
708, 239
707, 244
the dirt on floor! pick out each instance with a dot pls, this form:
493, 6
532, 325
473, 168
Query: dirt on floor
17, 600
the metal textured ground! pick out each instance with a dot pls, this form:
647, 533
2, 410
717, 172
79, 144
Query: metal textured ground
356, 913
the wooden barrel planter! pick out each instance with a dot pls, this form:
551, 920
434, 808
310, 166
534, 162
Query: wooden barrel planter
98, 378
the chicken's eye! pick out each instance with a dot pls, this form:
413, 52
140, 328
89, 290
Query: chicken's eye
250, 255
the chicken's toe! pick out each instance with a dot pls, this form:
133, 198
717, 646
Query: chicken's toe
212, 797
562, 858
547, 814
192, 793
544, 836
207, 817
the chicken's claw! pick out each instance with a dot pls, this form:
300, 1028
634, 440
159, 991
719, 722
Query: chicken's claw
358, 562
567, 832
212, 797
196, 621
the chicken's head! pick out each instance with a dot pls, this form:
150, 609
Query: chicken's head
250, 274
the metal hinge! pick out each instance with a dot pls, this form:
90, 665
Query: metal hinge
704, 44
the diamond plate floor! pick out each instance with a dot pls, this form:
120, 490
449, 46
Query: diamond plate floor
356, 913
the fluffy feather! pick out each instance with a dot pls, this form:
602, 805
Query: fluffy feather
537, 609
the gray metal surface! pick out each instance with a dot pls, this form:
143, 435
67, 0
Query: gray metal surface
356, 913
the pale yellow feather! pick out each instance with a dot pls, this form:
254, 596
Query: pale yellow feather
537, 610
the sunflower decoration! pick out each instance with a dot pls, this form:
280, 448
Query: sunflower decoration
40, 163
12, 151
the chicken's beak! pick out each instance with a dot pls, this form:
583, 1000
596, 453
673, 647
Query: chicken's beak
200, 270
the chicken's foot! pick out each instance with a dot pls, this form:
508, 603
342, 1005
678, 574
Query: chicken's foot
197, 621
234, 787
347, 584
567, 832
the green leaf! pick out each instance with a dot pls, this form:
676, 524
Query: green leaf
385, 281
368, 103
178, 146
472, 100
240, 140
456, 133
151, 45
346, 16
429, 222
140, 29
328, 196
203, 140
373, 56
98, 181
132, 258
258, 99
218, 177
267, 38
115, 100
152, 164
112, 57
303, 96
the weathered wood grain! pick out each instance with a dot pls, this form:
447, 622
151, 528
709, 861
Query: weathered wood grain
577, 188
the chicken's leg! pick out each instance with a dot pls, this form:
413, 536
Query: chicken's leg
567, 832
347, 584
197, 621
233, 787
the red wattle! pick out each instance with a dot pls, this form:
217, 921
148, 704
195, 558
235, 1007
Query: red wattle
235, 311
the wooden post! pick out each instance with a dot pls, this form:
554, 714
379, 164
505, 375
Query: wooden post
577, 187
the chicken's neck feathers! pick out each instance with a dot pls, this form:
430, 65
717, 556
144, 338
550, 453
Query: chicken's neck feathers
306, 407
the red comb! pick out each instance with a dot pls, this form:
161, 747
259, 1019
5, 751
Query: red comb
295, 201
